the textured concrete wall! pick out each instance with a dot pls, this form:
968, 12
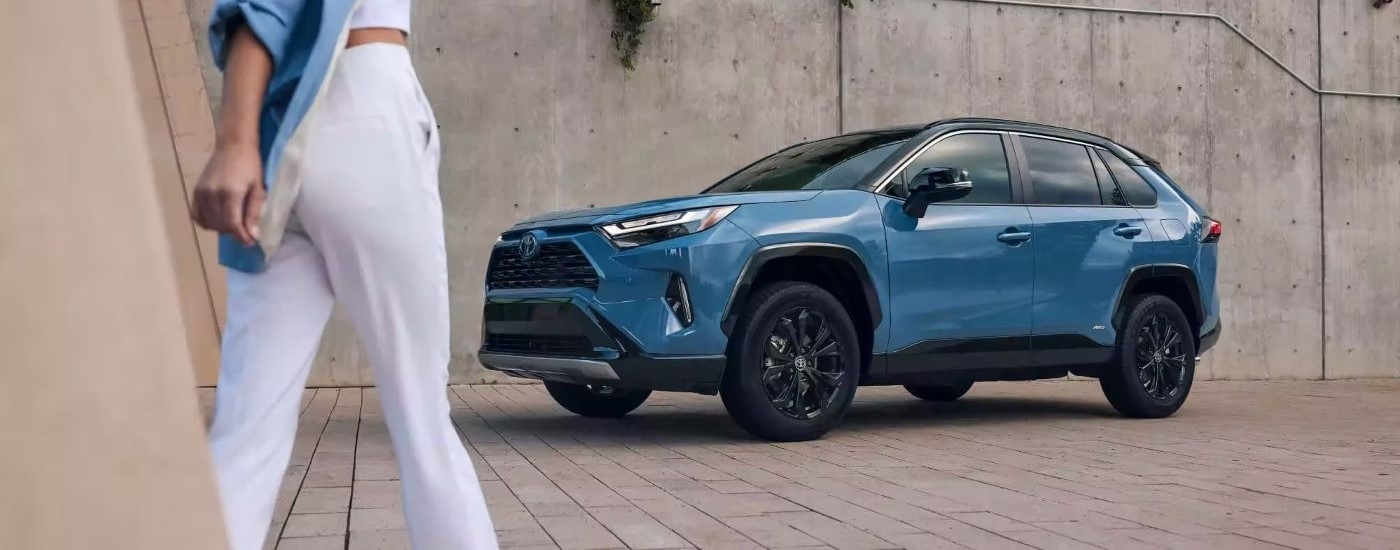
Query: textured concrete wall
537, 115
1361, 183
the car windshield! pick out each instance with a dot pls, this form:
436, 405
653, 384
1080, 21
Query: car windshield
840, 162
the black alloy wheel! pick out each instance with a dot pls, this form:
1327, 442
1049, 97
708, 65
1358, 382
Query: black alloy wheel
802, 365
1161, 358
794, 363
1155, 359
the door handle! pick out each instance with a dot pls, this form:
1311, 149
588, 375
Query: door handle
1013, 237
1128, 231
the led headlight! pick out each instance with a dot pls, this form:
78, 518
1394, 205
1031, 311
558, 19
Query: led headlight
643, 231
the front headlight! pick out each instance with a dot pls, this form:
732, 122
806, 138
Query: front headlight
643, 231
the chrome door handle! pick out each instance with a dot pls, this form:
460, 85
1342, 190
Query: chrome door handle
1128, 231
1012, 236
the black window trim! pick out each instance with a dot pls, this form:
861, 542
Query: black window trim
1012, 165
1100, 164
1156, 197
1028, 193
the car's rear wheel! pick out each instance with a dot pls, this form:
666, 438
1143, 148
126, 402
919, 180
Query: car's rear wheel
596, 400
940, 392
1155, 361
794, 365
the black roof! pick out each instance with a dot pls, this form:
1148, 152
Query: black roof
921, 134
1129, 154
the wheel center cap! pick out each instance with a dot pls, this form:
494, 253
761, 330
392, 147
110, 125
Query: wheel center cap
1156, 356
800, 363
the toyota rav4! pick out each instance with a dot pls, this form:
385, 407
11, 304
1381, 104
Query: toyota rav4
930, 256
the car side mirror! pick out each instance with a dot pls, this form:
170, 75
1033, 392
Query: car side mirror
935, 184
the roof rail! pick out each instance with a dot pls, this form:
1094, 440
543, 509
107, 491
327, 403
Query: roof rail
993, 120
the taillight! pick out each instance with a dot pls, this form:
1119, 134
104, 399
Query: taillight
1212, 231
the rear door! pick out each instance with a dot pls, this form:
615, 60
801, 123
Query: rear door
1086, 235
961, 276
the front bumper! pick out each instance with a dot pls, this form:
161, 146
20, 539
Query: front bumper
686, 374
563, 340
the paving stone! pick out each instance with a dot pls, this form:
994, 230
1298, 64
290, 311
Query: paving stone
314, 525
322, 500
312, 543
379, 540
377, 494
636, 529
1249, 465
376, 519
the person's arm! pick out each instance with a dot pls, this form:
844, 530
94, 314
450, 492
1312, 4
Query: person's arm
229, 196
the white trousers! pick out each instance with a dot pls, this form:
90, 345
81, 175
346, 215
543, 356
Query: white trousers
367, 234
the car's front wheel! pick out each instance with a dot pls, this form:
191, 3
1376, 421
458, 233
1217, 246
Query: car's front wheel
795, 363
1155, 361
596, 401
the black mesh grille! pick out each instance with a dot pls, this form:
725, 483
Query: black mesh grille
559, 265
539, 344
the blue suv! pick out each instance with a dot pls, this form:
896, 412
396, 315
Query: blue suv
930, 256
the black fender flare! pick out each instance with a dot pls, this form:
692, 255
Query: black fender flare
1170, 271
744, 285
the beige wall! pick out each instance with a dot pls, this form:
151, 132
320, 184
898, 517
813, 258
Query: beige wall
180, 132
104, 447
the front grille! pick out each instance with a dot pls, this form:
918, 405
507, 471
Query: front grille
539, 344
559, 265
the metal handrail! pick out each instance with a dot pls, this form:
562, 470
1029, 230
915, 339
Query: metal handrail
1216, 17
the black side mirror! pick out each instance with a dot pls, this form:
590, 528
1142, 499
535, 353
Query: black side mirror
935, 184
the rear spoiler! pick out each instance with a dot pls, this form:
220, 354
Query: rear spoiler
1149, 160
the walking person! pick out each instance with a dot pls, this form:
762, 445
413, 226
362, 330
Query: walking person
323, 186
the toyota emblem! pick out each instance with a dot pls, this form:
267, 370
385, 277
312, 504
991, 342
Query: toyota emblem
529, 246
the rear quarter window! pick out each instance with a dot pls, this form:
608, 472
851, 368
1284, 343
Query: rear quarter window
1135, 189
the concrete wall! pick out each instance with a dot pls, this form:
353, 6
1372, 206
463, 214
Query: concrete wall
537, 115
1361, 198
103, 443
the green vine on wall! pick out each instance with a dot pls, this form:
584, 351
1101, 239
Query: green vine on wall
630, 18
629, 22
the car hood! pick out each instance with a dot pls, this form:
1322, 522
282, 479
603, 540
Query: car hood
614, 214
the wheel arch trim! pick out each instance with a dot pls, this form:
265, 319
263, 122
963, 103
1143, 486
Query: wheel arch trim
743, 286
1167, 271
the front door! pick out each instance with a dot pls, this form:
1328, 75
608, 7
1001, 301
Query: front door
1086, 237
961, 277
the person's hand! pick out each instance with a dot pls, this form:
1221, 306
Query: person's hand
229, 196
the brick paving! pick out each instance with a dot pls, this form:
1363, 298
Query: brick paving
1013, 465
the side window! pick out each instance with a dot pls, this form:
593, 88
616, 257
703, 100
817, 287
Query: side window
1136, 189
1061, 172
1108, 190
981, 155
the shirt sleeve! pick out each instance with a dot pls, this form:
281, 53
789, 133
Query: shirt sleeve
270, 20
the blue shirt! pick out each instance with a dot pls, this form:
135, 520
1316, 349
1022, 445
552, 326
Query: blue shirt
304, 38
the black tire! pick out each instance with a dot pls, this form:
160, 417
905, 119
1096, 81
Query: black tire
764, 365
1155, 360
940, 392
596, 401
